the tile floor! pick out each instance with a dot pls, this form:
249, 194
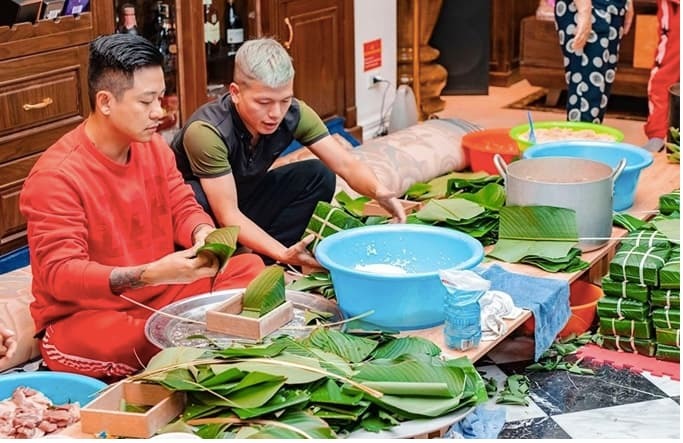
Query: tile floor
617, 404
612, 403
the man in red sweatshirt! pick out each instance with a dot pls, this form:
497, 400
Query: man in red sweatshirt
106, 207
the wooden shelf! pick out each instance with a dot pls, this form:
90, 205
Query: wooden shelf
45, 35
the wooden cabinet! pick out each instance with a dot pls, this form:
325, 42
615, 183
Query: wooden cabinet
506, 19
541, 57
319, 37
43, 74
43, 94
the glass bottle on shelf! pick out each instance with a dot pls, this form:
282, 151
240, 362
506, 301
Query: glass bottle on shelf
127, 22
212, 29
234, 30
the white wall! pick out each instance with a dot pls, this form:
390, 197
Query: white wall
372, 20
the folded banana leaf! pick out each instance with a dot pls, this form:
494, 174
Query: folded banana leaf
570, 263
625, 289
640, 264
327, 220
665, 298
669, 226
629, 222
541, 236
640, 346
668, 353
666, 318
670, 203
644, 237
669, 337
623, 308
626, 328
670, 274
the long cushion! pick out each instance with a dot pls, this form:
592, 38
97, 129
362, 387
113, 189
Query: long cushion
15, 298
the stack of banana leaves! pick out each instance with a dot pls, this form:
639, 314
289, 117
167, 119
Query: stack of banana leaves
325, 385
466, 201
670, 203
673, 145
541, 236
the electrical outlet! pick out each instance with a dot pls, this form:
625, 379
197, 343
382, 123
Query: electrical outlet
371, 81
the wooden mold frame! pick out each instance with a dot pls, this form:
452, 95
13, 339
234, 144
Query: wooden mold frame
373, 208
226, 318
104, 413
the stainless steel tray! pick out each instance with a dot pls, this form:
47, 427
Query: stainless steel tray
165, 332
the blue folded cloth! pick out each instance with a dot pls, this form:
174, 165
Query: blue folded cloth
546, 298
480, 423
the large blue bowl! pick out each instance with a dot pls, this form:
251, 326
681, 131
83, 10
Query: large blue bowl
411, 301
637, 159
60, 387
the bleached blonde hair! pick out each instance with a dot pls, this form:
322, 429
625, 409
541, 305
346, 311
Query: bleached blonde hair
263, 60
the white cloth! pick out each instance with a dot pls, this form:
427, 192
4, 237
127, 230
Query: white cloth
496, 306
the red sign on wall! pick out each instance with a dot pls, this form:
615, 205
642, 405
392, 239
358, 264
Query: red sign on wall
372, 54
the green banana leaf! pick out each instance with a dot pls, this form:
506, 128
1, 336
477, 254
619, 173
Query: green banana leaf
491, 196
355, 206
221, 243
266, 292
666, 298
349, 347
513, 251
417, 190
257, 389
668, 353
170, 358
541, 236
629, 222
327, 360
449, 209
445, 185
296, 424
538, 223
670, 227
282, 400
406, 345
331, 392
670, 203
301, 370
411, 389
642, 346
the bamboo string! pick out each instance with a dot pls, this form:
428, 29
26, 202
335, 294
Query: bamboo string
162, 313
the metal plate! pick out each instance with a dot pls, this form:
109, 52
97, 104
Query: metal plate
165, 332
415, 428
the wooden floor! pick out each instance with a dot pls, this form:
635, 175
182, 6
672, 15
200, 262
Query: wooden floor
489, 111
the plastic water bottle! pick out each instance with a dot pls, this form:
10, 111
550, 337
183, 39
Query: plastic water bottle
462, 327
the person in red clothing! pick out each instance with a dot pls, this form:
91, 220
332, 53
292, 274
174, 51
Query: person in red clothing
665, 72
106, 210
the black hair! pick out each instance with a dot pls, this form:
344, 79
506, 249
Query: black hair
113, 60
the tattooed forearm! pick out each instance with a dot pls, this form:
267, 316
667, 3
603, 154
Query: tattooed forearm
124, 279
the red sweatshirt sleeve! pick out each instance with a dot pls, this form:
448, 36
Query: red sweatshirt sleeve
187, 213
57, 236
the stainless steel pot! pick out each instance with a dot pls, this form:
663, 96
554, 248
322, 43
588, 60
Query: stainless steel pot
586, 186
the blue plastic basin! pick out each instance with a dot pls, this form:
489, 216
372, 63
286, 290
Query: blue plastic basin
637, 159
60, 387
411, 301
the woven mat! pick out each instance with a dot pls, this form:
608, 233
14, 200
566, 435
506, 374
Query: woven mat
628, 360
619, 106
